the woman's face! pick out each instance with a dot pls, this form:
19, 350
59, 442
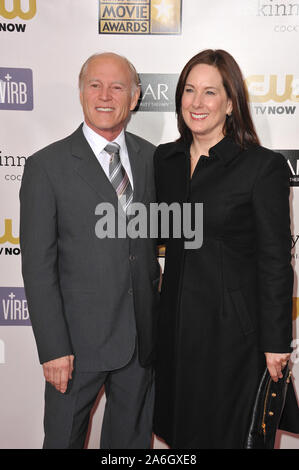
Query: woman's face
205, 102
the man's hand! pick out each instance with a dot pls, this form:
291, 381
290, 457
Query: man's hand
275, 363
59, 371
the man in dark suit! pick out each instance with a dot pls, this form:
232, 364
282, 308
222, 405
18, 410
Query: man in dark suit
92, 301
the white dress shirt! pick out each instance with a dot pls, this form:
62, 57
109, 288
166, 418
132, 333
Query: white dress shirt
98, 143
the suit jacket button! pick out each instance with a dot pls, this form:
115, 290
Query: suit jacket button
132, 257
130, 291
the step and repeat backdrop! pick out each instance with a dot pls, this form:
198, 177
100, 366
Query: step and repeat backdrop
42, 47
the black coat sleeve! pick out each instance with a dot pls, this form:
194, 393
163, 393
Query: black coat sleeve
275, 273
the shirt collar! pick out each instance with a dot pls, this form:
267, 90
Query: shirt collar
98, 142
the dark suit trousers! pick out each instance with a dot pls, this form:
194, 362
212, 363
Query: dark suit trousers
127, 422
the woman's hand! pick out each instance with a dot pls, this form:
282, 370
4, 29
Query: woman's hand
275, 363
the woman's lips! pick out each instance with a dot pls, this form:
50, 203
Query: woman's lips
199, 116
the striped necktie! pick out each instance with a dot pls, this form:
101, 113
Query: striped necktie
118, 176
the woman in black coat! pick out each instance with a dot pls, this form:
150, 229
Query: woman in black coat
226, 307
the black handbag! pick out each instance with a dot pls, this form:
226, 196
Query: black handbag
268, 411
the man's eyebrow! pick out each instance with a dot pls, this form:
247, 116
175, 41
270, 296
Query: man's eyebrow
116, 82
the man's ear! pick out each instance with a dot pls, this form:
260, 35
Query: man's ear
135, 99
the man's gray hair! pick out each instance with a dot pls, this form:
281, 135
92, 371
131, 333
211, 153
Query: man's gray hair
134, 74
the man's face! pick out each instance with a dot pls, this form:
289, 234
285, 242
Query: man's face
106, 95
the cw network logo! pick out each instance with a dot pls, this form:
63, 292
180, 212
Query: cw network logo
275, 88
8, 237
14, 9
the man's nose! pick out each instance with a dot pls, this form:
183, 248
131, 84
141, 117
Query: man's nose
104, 93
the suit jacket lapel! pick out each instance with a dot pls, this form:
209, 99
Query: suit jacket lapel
137, 166
90, 170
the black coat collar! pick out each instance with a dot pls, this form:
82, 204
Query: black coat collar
226, 150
